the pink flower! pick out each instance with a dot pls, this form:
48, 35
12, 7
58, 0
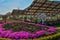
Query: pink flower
14, 35
52, 29
11, 35
1, 25
51, 33
18, 35
41, 32
33, 35
24, 34
1, 29
8, 22
5, 33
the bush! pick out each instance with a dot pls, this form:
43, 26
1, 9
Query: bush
53, 23
4, 39
52, 37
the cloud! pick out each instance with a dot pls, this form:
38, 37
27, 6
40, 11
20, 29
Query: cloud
9, 5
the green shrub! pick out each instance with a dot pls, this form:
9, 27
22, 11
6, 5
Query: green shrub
4, 39
52, 37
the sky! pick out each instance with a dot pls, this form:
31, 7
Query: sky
55, 0
8, 5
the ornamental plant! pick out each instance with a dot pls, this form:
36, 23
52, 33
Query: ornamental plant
20, 30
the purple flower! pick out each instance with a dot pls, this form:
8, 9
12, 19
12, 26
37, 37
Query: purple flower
11, 35
24, 34
41, 32
14, 35
5, 33
33, 35
51, 33
1, 25
8, 22
49, 27
52, 29
18, 35
1, 29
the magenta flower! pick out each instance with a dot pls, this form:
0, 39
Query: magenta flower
5, 33
17, 35
24, 34
52, 29
8, 22
11, 35
33, 35
51, 33
1, 25
1, 29
41, 32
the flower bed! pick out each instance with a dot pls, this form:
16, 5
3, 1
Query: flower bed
20, 30
50, 37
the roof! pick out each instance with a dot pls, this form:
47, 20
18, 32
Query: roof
17, 12
43, 6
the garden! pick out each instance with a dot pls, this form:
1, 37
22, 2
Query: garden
21, 30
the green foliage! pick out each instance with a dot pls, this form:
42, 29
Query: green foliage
52, 37
4, 39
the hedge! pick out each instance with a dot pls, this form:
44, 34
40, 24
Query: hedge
52, 37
